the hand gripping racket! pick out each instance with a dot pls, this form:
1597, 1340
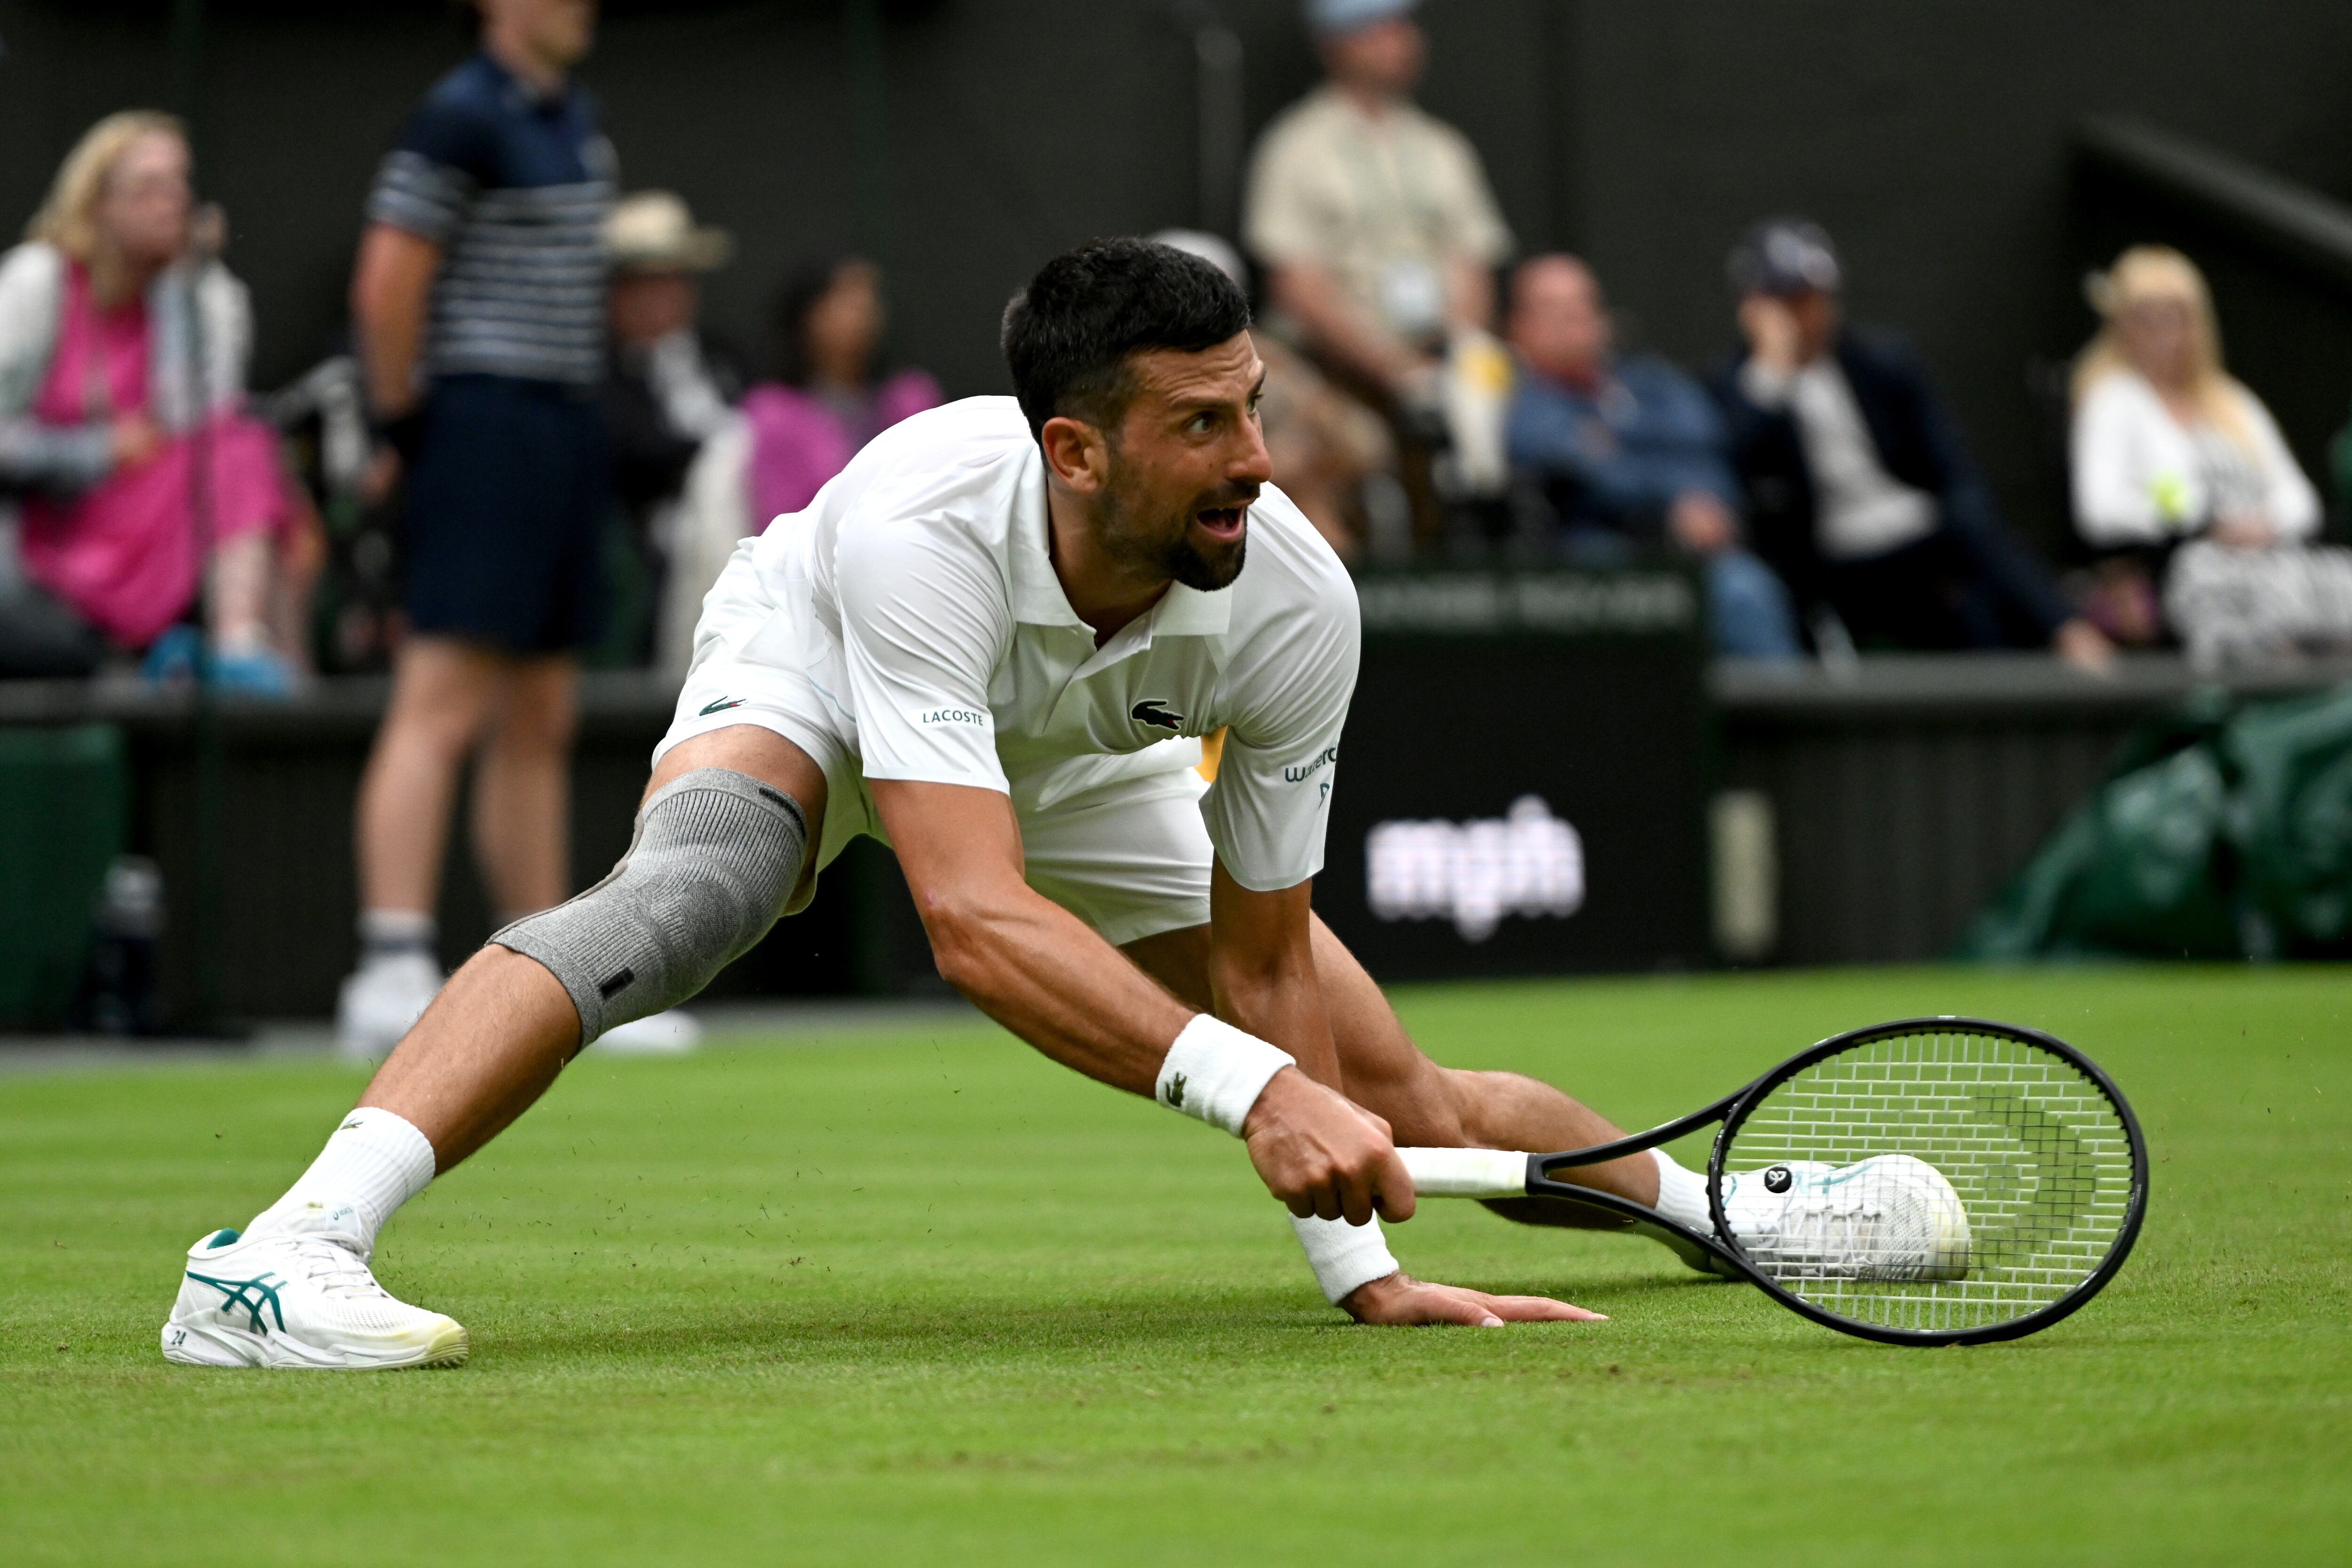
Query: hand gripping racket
1932, 1181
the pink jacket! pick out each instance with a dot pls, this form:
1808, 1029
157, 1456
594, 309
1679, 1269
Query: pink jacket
799, 441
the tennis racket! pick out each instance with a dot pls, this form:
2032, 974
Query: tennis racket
1932, 1181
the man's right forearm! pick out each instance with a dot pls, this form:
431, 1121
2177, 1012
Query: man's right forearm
392, 293
1047, 976
1042, 973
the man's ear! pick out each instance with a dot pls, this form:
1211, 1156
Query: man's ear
1076, 454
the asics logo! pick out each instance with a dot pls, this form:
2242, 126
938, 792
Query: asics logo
250, 1294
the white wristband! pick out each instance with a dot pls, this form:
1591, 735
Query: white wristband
1216, 1072
1343, 1256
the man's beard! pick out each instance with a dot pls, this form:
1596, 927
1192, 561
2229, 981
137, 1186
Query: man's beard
1176, 556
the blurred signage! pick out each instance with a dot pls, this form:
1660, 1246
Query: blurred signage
1521, 787
1557, 603
1525, 863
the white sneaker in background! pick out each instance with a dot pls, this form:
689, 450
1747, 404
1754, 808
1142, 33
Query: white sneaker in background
380, 1000
295, 1300
1891, 1216
668, 1034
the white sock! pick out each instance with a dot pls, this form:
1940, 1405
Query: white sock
1682, 1195
394, 933
371, 1165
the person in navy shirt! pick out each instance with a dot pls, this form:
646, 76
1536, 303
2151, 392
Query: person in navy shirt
478, 305
1631, 453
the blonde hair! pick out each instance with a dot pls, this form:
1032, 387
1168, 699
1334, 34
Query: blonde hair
69, 218
2150, 272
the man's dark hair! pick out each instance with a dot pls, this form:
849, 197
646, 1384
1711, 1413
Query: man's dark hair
1068, 336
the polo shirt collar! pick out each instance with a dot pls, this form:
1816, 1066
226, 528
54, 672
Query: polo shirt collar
1189, 612
1038, 599
1037, 596
521, 94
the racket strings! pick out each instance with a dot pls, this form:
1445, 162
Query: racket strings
1936, 1181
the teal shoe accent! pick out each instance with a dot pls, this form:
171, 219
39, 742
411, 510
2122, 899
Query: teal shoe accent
224, 1238
259, 675
174, 655
252, 1296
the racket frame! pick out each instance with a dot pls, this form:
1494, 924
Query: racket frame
1734, 1109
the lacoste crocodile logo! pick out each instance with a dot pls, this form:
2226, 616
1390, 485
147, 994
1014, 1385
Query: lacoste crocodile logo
1176, 1092
252, 1295
720, 705
1152, 712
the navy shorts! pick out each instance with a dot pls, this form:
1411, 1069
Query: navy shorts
506, 516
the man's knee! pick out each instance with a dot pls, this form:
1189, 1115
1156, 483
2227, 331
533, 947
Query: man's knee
541, 709
717, 853
534, 730
1487, 1105
1422, 1104
442, 719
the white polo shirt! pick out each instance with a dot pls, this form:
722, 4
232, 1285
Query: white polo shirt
916, 596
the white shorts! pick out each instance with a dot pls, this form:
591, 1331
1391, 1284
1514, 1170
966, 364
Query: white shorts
1130, 858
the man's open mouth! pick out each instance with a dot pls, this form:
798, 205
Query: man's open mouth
1222, 522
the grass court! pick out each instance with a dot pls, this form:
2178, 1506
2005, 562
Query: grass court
922, 1297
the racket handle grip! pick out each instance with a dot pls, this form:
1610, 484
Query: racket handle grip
1466, 1173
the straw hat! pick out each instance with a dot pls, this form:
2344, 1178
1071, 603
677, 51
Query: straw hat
652, 231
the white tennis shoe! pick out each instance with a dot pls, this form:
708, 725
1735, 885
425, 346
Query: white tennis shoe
298, 1301
1891, 1216
381, 1000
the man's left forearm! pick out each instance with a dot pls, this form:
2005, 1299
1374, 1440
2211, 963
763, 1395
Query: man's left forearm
1262, 972
1282, 1005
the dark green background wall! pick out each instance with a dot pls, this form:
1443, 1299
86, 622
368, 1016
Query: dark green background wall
1931, 136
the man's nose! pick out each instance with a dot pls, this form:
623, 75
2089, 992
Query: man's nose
1253, 462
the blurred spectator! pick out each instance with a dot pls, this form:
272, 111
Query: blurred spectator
1379, 236
122, 430
830, 394
1861, 492
2181, 471
1325, 445
478, 300
1630, 452
669, 387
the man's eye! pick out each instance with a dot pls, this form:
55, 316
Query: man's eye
1203, 423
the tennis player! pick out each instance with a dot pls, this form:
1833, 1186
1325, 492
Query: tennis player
994, 642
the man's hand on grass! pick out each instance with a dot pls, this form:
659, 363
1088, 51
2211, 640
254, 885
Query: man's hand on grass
1400, 1300
1323, 1154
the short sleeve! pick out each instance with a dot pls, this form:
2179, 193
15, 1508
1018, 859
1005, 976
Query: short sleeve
2293, 503
1280, 222
2118, 498
1475, 227
427, 182
1267, 812
923, 620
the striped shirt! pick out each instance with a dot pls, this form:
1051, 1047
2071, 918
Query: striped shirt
514, 189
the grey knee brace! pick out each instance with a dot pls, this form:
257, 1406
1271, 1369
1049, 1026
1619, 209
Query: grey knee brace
715, 856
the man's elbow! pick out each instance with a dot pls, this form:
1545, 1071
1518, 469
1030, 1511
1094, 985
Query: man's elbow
394, 274
967, 941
